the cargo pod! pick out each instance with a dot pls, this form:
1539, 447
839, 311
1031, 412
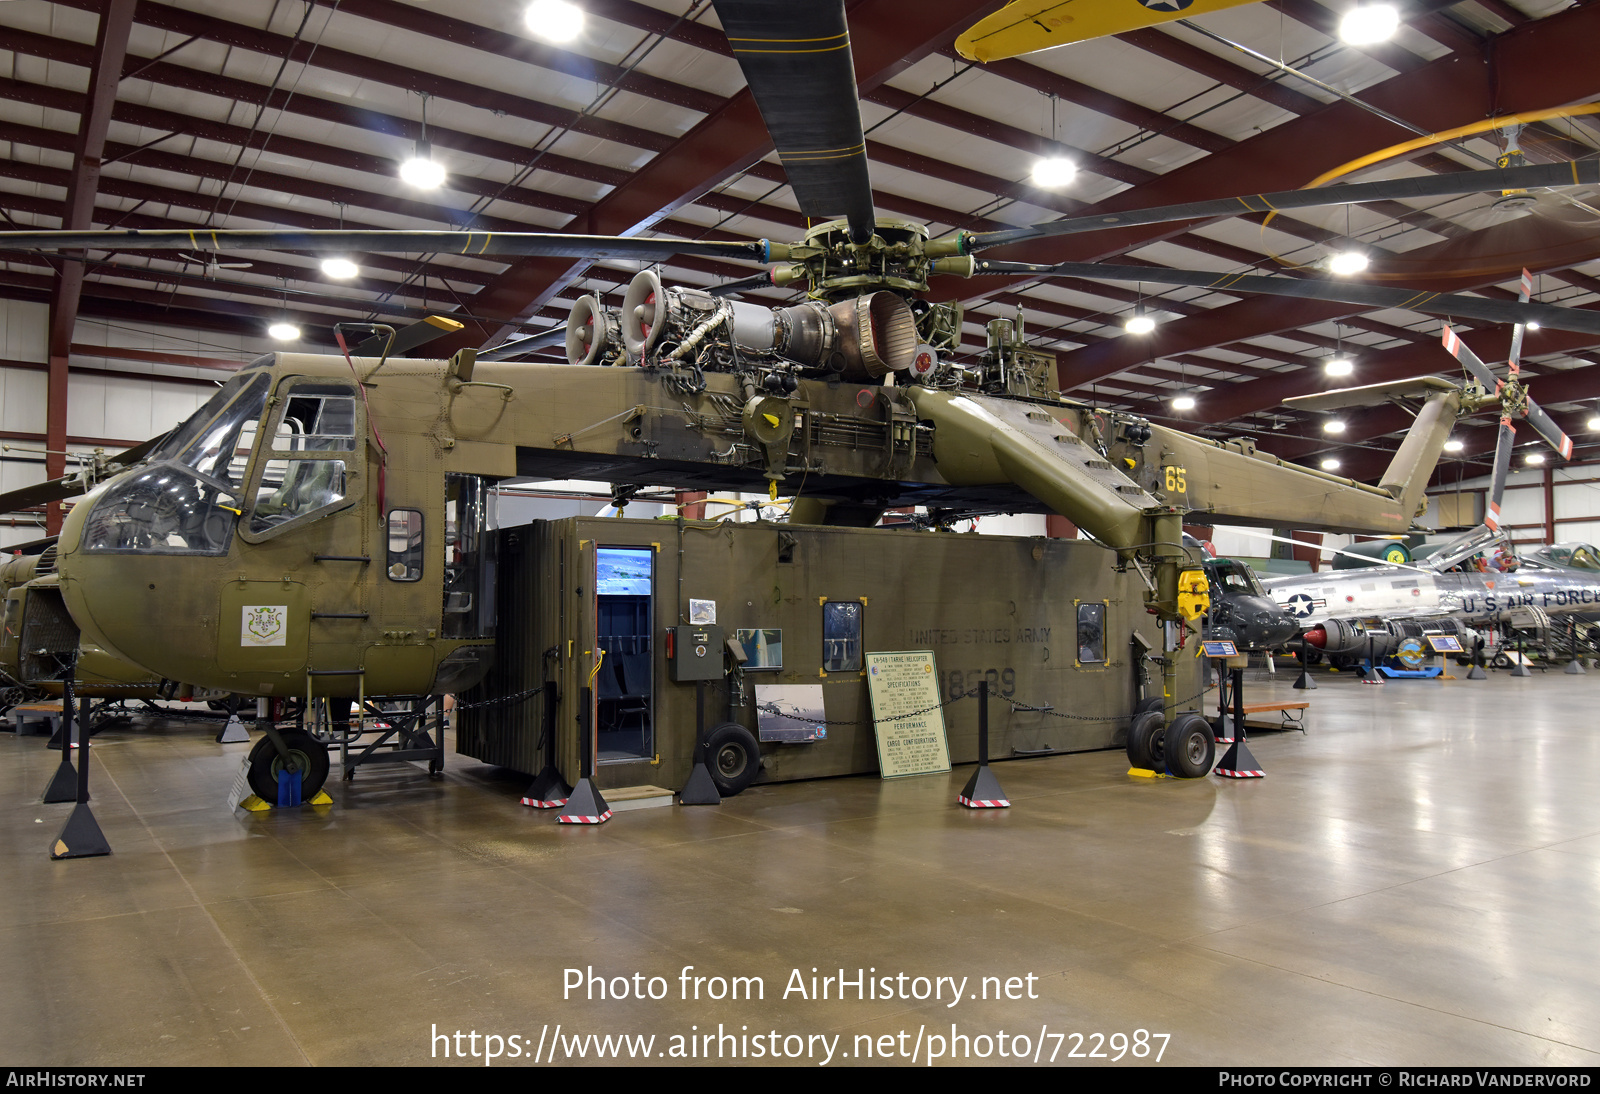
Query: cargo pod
803, 604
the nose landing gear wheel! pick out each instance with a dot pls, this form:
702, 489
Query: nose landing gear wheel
310, 758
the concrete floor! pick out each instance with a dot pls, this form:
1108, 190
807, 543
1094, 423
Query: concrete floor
1414, 882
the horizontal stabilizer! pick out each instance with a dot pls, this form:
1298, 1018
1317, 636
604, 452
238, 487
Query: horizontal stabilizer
1370, 394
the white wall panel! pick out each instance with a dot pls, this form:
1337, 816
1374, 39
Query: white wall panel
86, 406
22, 404
24, 330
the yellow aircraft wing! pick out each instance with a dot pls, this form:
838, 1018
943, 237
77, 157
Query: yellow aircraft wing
1027, 26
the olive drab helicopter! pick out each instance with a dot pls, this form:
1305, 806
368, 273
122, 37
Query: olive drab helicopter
320, 528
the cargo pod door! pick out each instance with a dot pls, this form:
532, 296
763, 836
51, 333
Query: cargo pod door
624, 688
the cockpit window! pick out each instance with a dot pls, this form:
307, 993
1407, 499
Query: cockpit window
1235, 578
191, 427
187, 501
318, 418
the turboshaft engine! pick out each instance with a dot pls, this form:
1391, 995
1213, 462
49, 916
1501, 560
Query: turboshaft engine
861, 339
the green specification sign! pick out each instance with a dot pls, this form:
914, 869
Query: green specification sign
905, 707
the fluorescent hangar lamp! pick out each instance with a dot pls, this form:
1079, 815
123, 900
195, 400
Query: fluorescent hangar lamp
1054, 172
554, 20
1333, 425
1346, 263
422, 170
1183, 402
1594, 423
1534, 458
283, 332
341, 269
1456, 446
1367, 24
1330, 464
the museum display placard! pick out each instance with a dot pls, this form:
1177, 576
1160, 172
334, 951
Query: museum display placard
908, 718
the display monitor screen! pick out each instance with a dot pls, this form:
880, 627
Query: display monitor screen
623, 571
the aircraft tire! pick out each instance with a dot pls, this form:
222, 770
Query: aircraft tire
1190, 747
311, 756
1145, 739
733, 757
1501, 661
1145, 706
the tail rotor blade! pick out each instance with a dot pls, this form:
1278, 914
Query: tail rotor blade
1497, 482
1470, 361
1547, 428
1516, 333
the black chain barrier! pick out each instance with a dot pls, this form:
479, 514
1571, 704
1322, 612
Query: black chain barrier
1016, 705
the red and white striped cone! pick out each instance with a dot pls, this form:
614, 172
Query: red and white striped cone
585, 806
547, 791
1224, 730
1238, 763
983, 791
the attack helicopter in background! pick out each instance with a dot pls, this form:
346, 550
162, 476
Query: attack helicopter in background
322, 526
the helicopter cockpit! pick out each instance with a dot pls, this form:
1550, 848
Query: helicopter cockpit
198, 487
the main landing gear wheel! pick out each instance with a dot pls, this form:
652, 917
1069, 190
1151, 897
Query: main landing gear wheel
1146, 741
733, 757
310, 758
1189, 747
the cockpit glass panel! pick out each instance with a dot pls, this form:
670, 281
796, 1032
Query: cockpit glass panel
186, 431
222, 450
1583, 558
164, 510
318, 417
187, 500
296, 488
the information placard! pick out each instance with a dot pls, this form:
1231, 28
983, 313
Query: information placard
905, 707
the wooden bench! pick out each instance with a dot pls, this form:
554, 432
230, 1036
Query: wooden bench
25, 713
1292, 714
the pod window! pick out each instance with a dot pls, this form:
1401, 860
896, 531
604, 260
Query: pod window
405, 545
841, 636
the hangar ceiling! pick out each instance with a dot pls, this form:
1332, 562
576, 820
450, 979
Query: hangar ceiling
297, 114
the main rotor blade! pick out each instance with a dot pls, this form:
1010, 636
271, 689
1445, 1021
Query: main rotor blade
1367, 296
1571, 173
545, 244
409, 337
796, 61
41, 493
544, 339
761, 280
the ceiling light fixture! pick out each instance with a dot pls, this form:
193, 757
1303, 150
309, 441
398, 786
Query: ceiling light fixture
1339, 366
1532, 324
1345, 263
1053, 172
1333, 425
1454, 446
1367, 24
341, 269
1139, 322
1594, 423
283, 332
1535, 458
1330, 464
554, 20
422, 170
1183, 402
